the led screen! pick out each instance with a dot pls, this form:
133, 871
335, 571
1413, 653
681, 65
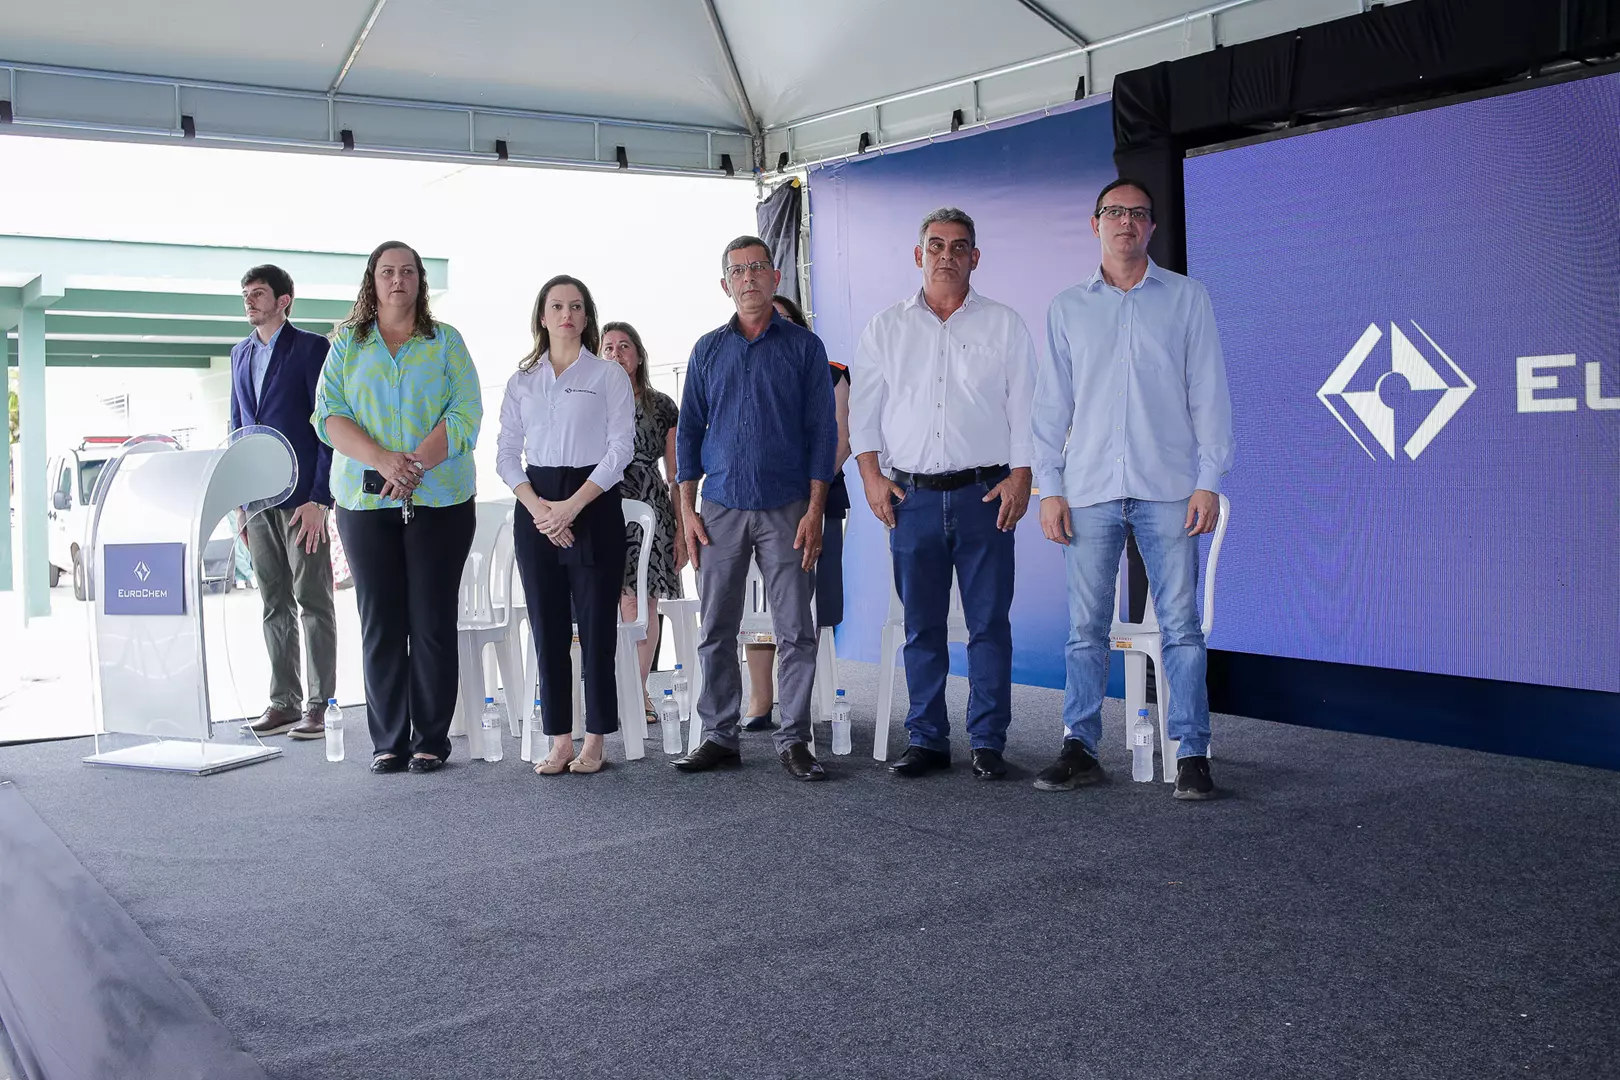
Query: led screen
1421, 321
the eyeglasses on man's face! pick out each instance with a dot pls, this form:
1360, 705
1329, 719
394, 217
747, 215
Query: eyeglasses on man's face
1138, 214
738, 271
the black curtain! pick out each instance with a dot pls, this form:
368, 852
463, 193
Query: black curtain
778, 218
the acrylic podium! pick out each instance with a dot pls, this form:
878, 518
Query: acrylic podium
155, 507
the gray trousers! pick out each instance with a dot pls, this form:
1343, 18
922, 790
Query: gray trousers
294, 584
767, 536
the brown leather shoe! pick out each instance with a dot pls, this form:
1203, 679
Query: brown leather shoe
273, 722
312, 726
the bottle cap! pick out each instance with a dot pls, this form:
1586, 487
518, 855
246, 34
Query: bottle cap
669, 693
489, 701
840, 692
331, 701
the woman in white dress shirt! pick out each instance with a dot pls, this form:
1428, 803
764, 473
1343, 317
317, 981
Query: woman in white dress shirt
567, 432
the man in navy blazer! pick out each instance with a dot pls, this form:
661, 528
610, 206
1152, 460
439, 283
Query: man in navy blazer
274, 373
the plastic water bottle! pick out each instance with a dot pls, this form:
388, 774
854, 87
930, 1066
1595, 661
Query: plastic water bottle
334, 731
840, 723
669, 718
683, 692
1142, 747
537, 733
491, 721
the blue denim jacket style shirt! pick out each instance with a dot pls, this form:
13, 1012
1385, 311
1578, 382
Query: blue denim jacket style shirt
757, 418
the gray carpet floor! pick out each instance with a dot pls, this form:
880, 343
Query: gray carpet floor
1354, 907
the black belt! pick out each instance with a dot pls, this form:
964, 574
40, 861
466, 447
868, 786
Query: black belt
950, 481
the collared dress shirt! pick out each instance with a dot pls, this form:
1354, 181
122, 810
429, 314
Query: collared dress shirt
757, 417
585, 416
1131, 402
398, 401
938, 397
259, 353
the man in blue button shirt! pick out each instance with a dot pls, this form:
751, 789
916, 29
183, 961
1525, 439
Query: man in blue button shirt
1132, 431
757, 424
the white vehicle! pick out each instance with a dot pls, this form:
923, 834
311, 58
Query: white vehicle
73, 475
72, 478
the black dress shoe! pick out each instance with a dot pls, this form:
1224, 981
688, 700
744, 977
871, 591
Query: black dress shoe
710, 755
988, 764
920, 761
392, 763
426, 764
800, 763
763, 722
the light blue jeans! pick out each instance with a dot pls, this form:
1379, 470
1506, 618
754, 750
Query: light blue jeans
1171, 558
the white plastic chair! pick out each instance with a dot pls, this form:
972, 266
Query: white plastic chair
489, 616
626, 658
1141, 642
757, 628
894, 636
683, 626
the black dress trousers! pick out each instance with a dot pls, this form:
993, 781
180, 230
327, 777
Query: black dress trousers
407, 583
575, 584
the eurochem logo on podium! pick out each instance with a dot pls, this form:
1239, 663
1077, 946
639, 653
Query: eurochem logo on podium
1358, 385
145, 579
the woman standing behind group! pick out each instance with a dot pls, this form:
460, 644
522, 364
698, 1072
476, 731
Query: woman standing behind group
655, 438
567, 433
399, 402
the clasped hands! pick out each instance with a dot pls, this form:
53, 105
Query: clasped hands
555, 520
402, 473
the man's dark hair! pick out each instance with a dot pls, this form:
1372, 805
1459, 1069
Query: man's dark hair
279, 281
1124, 181
738, 245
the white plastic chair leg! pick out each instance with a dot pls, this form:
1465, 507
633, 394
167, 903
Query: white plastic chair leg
514, 680
826, 674
1136, 661
1167, 745
632, 718
472, 693
888, 660
579, 691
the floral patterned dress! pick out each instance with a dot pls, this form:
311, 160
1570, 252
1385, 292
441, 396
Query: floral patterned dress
643, 480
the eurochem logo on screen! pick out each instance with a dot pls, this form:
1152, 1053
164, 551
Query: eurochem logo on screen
1357, 385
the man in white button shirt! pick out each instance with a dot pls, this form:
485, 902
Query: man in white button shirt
940, 392
1133, 431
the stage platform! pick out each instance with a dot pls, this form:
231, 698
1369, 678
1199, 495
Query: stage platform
1354, 907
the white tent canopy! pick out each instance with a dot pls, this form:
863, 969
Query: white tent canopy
679, 85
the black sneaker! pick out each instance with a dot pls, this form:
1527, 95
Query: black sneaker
1192, 779
1074, 767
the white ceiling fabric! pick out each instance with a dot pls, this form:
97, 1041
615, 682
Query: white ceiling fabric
570, 83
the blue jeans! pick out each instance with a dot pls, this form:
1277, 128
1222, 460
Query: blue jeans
1171, 558
936, 532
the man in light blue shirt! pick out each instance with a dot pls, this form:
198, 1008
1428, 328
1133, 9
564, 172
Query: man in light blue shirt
259, 353
1132, 431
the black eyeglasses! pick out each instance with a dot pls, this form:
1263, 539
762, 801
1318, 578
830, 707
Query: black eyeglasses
736, 271
1138, 214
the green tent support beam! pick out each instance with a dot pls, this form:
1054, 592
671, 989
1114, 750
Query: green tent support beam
155, 326
9, 315
117, 302
40, 293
